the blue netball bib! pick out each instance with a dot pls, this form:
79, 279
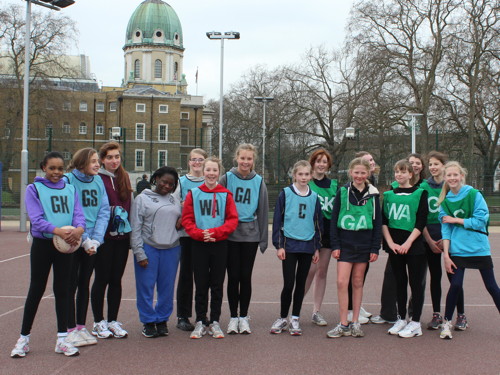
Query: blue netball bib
246, 195
299, 215
58, 204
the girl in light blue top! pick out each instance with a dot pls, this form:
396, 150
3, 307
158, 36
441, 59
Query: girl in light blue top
464, 216
83, 175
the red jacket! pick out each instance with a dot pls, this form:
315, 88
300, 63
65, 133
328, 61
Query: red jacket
220, 233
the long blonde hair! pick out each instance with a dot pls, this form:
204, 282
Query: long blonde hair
446, 187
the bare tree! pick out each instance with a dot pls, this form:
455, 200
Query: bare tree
50, 38
413, 35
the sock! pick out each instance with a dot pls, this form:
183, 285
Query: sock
295, 317
27, 337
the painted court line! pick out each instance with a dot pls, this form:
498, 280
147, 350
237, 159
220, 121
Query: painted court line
14, 258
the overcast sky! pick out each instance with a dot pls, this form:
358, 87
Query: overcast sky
273, 32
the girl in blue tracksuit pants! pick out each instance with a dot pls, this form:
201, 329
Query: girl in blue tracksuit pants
464, 216
155, 244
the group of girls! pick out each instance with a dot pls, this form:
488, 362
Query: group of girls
211, 222
96, 202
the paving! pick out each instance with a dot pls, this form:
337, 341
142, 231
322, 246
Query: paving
475, 351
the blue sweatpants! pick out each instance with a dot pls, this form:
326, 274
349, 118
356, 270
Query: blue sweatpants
160, 272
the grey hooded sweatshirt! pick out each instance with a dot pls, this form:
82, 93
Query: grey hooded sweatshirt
257, 230
153, 221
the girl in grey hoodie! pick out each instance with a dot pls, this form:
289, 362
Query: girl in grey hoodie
155, 244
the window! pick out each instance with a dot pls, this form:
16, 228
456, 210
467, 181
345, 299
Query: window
83, 106
49, 105
184, 161
82, 129
137, 69
184, 137
163, 108
184, 115
163, 132
99, 107
140, 107
139, 132
162, 158
176, 68
139, 160
99, 129
66, 155
6, 132
48, 130
66, 106
66, 128
158, 68
112, 106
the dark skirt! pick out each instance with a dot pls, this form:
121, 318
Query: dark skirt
354, 257
477, 263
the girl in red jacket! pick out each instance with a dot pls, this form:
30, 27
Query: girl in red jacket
209, 216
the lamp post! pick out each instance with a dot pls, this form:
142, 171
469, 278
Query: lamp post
218, 35
54, 5
264, 100
413, 123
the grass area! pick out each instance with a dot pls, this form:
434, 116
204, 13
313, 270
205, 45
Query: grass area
493, 200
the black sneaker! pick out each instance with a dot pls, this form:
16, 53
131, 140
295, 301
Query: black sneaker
149, 330
162, 329
184, 324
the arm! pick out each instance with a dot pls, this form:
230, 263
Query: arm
388, 238
377, 227
435, 246
230, 223
263, 217
421, 220
189, 221
480, 216
318, 225
35, 211
136, 222
448, 263
279, 211
102, 216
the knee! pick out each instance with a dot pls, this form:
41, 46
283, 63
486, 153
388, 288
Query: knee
357, 282
342, 284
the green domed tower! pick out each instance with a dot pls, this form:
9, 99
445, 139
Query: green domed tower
154, 48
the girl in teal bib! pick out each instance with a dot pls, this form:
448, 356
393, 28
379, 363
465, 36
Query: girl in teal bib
464, 216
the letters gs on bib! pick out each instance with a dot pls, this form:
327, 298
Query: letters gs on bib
90, 198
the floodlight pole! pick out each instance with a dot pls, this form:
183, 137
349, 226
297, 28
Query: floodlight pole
26, 94
264, 100
218, 35
413, 124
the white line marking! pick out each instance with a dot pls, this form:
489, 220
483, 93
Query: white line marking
20, 256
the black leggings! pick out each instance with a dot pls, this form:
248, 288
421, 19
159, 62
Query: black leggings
240, 261
185, 281
209, 267
81, 272
43, 257
412, 269
457, 281
295, 269
111, 260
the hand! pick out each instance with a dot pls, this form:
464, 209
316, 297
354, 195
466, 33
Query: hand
316, 257
208, 236
70, 236
449, 266
452, 220
404, 248
336, 254
90, 246
143, 263
178, 224
373, 257
394, 247
281, 254
436, 246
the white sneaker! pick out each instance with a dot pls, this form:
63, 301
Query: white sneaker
215, 331
294, 327
244, 325
398, 326
412, 329
446, 330
361, 319
318, 319
281, 324
117, 330
101, 330
21, 348
356, 330
199, 331
76, 339
91, 340
66, 348
233, 326
364, 313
